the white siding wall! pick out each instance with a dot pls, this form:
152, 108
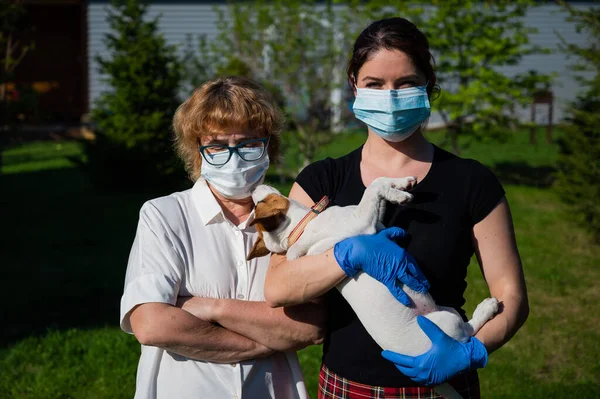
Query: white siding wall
549, 20
179, 20
176, 23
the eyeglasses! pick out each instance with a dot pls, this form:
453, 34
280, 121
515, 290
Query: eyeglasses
219, 155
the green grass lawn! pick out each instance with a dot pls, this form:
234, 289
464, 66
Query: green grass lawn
64, 250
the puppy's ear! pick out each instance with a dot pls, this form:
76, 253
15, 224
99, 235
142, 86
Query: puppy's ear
270, 212
258, 249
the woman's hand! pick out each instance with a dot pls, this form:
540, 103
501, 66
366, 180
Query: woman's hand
380, 257
446, 358
203, 308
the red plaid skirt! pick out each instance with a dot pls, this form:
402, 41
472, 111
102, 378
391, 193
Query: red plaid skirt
332, 386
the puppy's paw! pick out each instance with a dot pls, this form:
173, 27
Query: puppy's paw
399, 183
397, 196
293, 253
405, 183
487, 308
402, 183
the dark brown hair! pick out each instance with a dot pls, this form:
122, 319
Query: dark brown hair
394, 34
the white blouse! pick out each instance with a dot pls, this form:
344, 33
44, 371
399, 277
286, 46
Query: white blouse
185, 246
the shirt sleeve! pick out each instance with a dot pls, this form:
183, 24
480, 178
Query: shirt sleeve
485, 192
316, 179
155, 269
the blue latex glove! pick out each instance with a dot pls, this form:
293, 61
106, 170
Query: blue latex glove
380, 257
446, 358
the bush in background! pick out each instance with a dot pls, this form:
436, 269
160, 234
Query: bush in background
578, 180
132, 150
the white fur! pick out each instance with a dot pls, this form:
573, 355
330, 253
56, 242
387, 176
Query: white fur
391, 324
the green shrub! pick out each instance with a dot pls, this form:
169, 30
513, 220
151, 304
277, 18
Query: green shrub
578, 181
133, 149
579, 161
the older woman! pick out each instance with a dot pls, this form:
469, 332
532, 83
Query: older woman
459, 209
191, 298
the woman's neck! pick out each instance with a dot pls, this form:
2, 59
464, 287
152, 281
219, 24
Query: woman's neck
411, 157
236, 210
397, 155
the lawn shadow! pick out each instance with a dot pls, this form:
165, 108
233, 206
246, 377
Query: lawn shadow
64, 249
523, 174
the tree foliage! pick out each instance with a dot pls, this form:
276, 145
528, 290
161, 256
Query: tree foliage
14, 46
133, 150
297, 49
578, 180
472, 41
301, 47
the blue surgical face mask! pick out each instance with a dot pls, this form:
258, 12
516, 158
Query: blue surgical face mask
393, 115
237, 178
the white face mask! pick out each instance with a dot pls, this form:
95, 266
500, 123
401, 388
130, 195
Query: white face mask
237, 178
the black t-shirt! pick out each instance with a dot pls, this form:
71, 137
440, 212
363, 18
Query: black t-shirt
455, 194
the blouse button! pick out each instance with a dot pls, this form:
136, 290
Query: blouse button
240, 296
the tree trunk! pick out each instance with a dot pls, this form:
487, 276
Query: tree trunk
454, 129
280, 172
455, 146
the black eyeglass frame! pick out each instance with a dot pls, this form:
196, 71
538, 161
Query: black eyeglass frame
264, 140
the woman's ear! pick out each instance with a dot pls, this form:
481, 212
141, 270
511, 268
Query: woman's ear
352, 82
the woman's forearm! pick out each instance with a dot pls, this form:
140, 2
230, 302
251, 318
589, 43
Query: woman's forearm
301, 280
281, 329
514, 312
496, 249
175, 330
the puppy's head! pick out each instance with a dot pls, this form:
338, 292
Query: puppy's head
270, 217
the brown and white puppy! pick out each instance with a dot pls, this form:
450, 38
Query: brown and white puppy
391, 324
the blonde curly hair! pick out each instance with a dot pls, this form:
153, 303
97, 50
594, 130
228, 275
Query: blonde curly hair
223, 106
